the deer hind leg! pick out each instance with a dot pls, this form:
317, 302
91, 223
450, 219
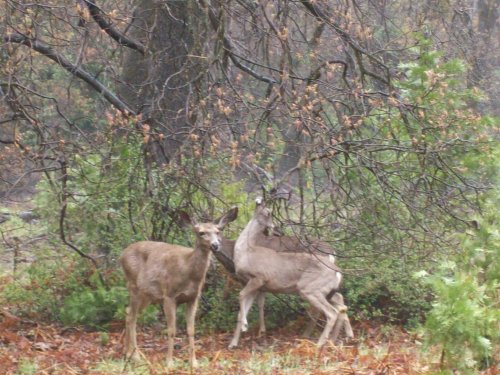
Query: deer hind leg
190, 318
136, 305
313, 315
342, 322
247, 295
319, 301
169, 308
261, 299
337, 301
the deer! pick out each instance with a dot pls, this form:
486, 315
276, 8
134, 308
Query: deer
289, 244
159, 272
314, 277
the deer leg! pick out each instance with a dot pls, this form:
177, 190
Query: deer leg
248, 305
339, 323
313, 320
247, 296
347, 327
169, 307
342, 322
135, 306
190, 317
337, 301
319, 301
261, 299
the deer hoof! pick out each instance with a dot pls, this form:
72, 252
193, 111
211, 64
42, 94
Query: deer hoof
132, 356
232, 345
194, 363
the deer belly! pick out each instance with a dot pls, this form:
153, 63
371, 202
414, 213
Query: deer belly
184, 297
277, 286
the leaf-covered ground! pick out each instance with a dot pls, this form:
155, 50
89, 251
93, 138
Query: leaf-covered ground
28, 347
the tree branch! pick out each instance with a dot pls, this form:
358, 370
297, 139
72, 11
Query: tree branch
62, 217
108, 28
47, 51
321, 16
228, 47
245, 68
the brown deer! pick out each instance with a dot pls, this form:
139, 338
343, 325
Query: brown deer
158, 272
314, 277
288, 244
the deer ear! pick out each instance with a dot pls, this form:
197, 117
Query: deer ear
259, 201
184, 220
229, 216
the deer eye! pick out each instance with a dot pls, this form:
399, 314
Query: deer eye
202, 233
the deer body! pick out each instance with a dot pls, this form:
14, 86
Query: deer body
289, 244
147, 266
314, 277
172, 275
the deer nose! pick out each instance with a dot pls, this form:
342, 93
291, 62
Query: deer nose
214, 246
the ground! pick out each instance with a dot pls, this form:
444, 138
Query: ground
28, 347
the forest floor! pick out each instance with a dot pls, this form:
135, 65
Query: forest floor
28, 347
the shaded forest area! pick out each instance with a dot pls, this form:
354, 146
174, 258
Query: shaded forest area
371, 125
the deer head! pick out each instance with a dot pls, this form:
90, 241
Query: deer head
208, 234
263, 217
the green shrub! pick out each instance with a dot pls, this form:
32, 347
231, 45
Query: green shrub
40, 288
94, 307
465, 315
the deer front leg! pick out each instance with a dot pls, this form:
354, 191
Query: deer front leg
190, 318
169, 308
261, 299
247, 296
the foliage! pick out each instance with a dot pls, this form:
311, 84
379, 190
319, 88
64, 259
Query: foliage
387, 296
465, 314
39, 289
94, 307
63, 290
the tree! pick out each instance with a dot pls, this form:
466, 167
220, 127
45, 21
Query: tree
344, 113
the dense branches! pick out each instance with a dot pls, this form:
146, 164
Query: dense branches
353, 116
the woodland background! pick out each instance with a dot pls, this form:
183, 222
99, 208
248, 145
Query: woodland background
371, 124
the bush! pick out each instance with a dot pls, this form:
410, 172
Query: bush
465, 313
39, 290
388, 298
94, 307
66, 291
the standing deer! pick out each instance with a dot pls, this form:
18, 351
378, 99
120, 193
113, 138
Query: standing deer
314, 277
289, 244
171, 274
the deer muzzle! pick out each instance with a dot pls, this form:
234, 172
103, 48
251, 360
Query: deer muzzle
215, 246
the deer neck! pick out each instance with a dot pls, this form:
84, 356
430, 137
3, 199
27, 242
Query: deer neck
199, 260
247, 238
